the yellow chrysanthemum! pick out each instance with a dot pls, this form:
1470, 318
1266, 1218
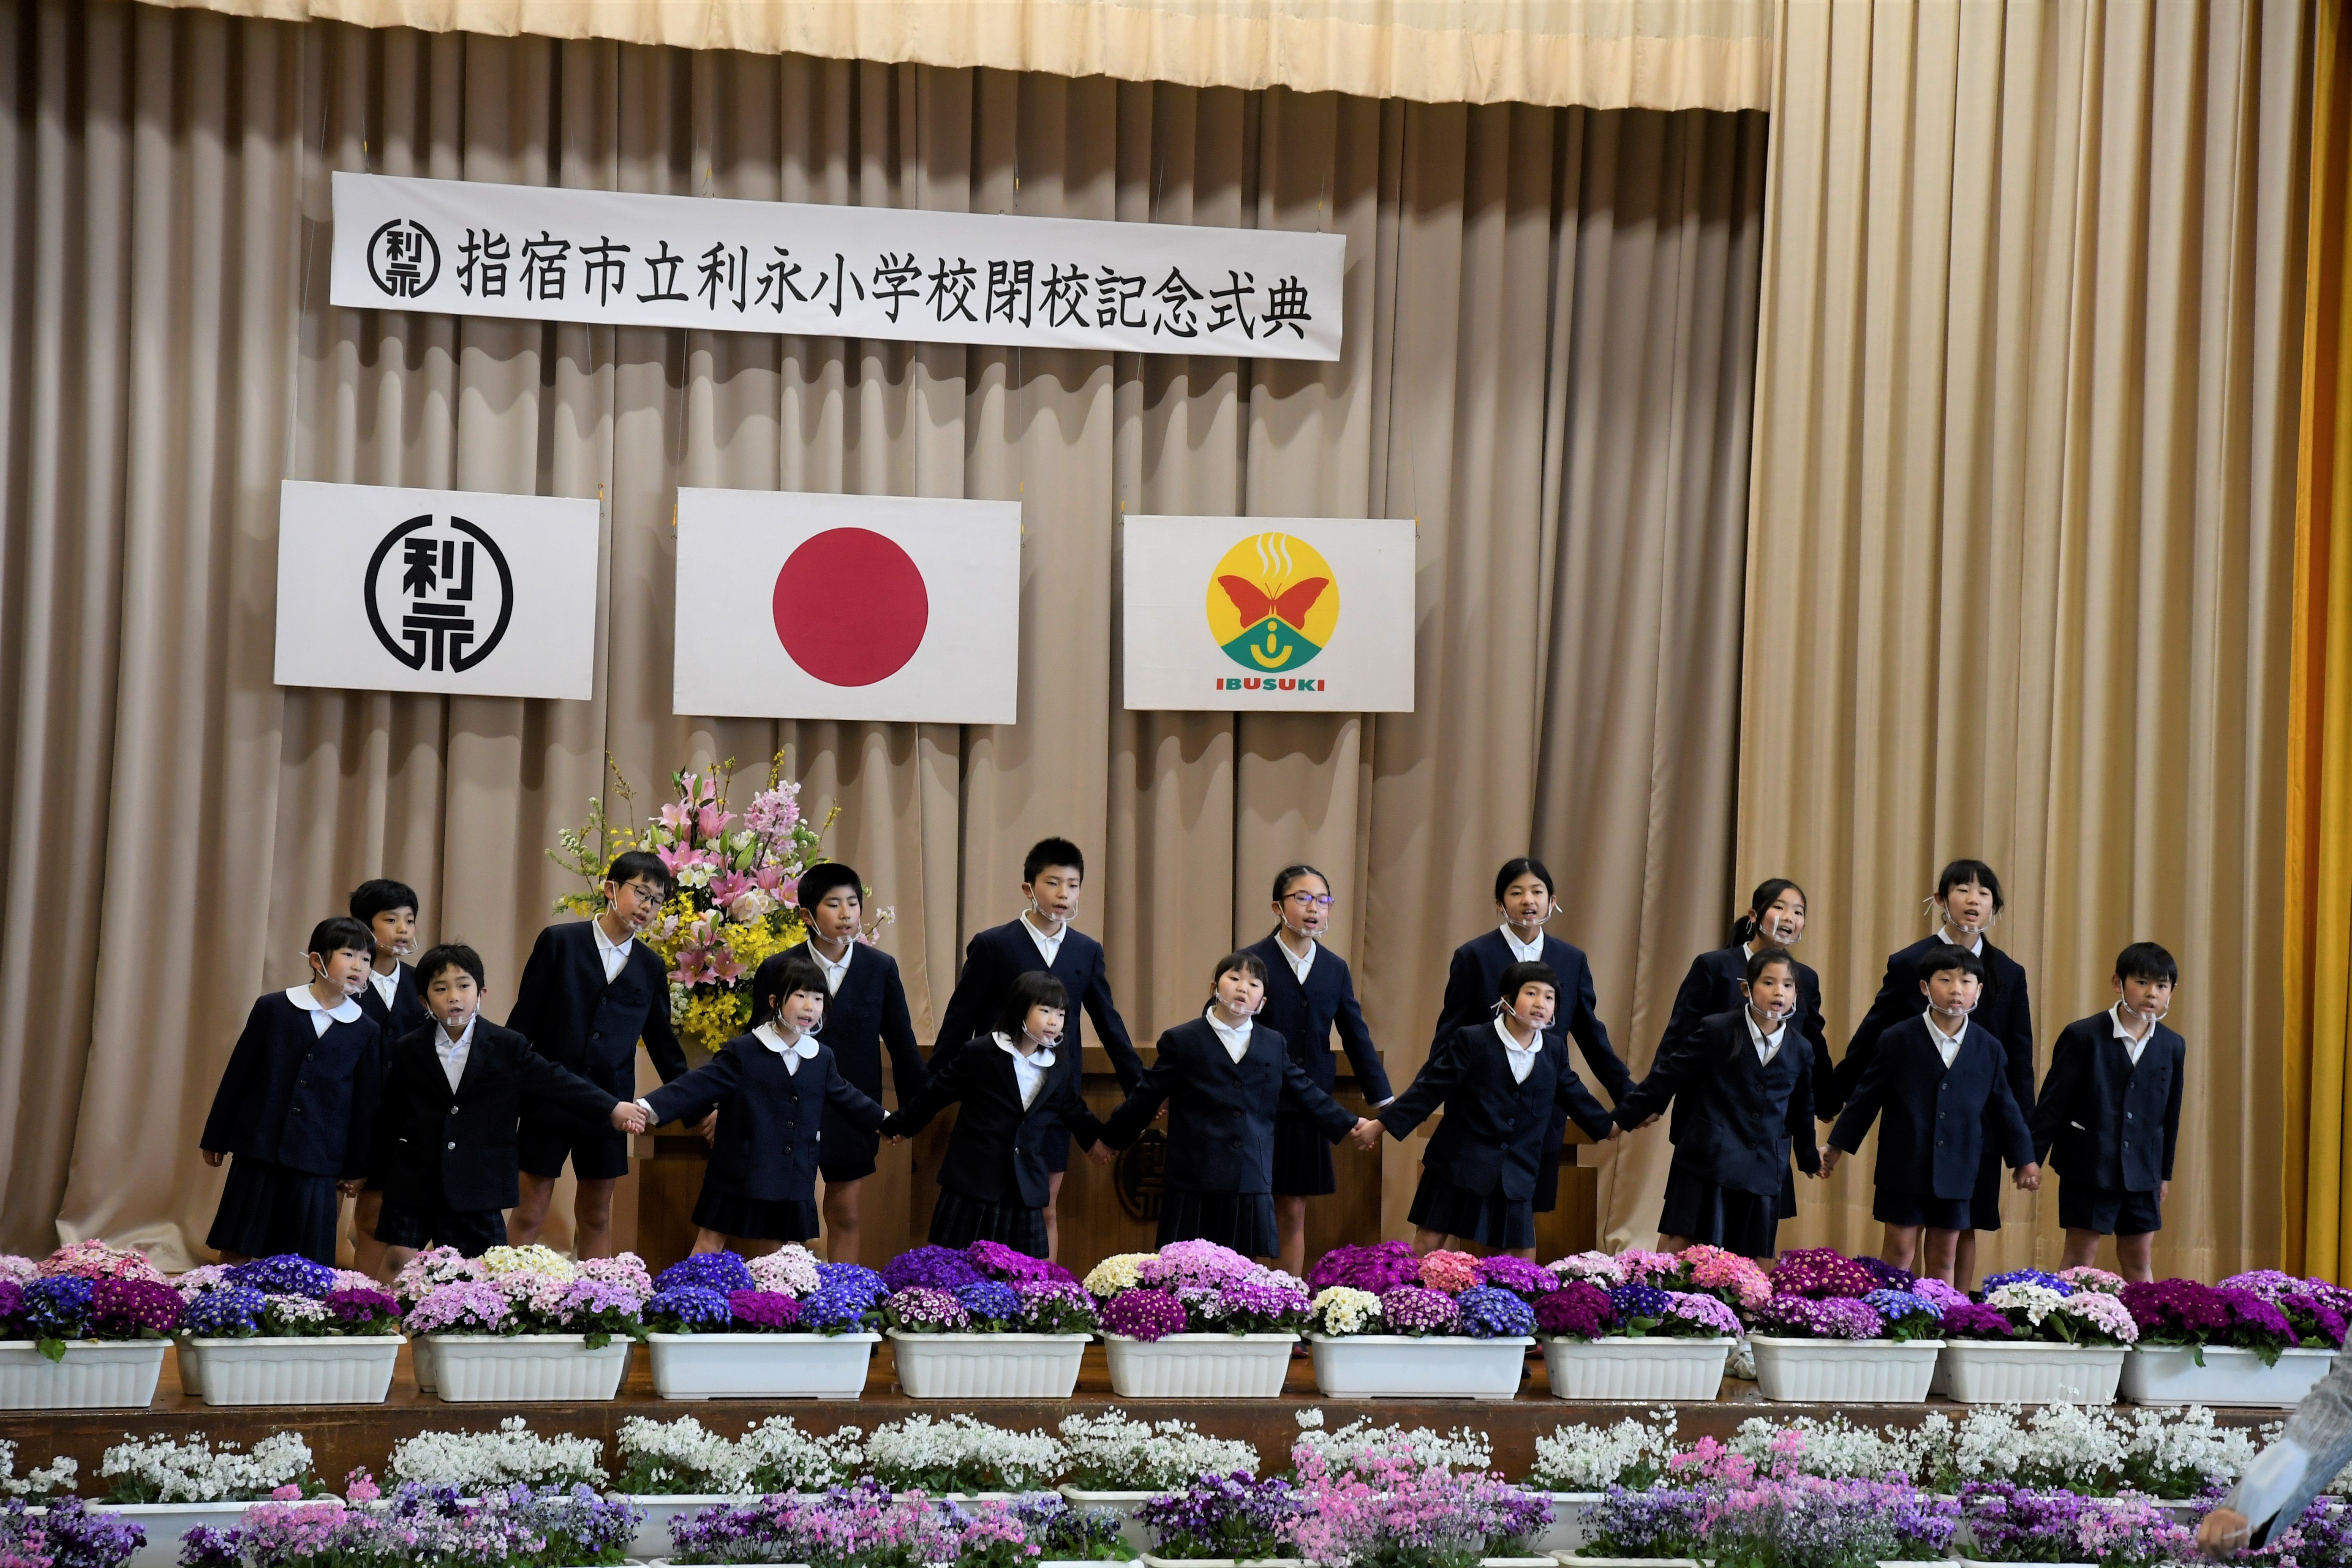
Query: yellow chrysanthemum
1115, 1273
533, 1259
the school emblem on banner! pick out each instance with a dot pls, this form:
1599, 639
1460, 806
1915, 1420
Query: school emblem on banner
1272, 604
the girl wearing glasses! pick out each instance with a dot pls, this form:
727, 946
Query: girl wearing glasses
1307, 991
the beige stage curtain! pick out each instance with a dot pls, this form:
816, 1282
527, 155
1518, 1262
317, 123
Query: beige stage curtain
2023, 512
1601, 54
1549, 357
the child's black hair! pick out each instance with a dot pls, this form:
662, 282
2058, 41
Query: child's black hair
1245, 962
1292, 873
450, 955
1517, 977
1053, 852
1031, 988
371, 899
626, 869
340, 933
1519, 866
822, 878
2147, 961
1945, 956
1763, 958
1960, 873
781, 974
1768, 892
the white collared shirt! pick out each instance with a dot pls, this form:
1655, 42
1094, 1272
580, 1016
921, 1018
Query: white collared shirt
1298, 966
2132, 1048
346, 1011
1028, 1071
1522, 1059
454, 1052
1975, 944
1236, 1041
1523, 952
794, 1052
1769, 1046
387, 986
834, 973
1047, 946
1947, 1044
616, 956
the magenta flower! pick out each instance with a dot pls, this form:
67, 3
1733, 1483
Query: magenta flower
1376, 1269
1518, 1274
1142, 1315
1822, 1272
1417, 1310
1579, 1310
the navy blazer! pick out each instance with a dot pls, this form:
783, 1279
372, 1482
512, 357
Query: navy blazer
2003, 1010
565, 1009
770, 1121
869, 1013
1304, 1016
1736, 1120
1712, 986
1941, 1122
1220, 1112
406, 1012
297, 1098
1476, 976
2102, 1114
994, 958
996, 1152
440, 1148
1495, 1126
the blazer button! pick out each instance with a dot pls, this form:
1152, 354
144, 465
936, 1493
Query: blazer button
2127, 1116
452, 1111
595, 1033
453, 1146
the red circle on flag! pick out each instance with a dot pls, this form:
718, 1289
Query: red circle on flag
850, 606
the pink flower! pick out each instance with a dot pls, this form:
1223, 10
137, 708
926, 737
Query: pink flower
287, 1493
1452, 1272
746, 906
360, 1487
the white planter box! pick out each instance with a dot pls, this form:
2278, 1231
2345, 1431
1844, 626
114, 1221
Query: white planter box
2168, 1375
652, 1540
1400, 1366
760, 1366
188, 1365
1568, 1529
423, 1363
1997, 1371
166, 1523
503, 1368
1123, 1504
96, 1374
1199, 1366
988, 1366
1621, 1368
268, 1371
1844, 1371
1222, 1562
1571, 1557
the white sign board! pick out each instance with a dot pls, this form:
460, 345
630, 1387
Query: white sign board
1294, 614
381, 589
829, 607
543, 253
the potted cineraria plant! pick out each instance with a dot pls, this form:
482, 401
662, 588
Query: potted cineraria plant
523, 1322
2214, 1345
522, 1526
2036, 1338
285, 1330
1223, 1521
984, 1321
475, 1464
961, 1457
2001, 1522
168, 1486
1384, 1324
670, 1468
1195, 1320
1633, 1341
1576, 1465
1648, 1527
1820, 1339
83, 1328
1118, 1464
720, 1327
1810, 1521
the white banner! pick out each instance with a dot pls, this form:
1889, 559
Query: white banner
544, 253
382, 589
1291, 613
829, 607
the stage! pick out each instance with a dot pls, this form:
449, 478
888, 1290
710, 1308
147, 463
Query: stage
342, 1436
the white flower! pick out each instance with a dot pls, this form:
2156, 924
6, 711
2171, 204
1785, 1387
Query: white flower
1342, 1309
1594, 1458
1116, 1454
1836, 1448
474, 1462
790, 1269
533, 1259
290, 1309
2036, 1301
683, 1456
165, 1470
913, 1453
1598, 1268
1310, 1419
57, 1476
1343, 1450
1115, 1273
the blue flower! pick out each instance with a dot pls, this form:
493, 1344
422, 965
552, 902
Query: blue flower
1490, 1312
2027, 1277
58, 1309
1639, 1302
835, 1306
854, 1281
691, 1307
1893, 1304
990, 1298
720, 1271
287, 1274
224, 1314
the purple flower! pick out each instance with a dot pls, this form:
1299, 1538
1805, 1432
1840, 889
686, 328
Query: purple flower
1182, 1264
1888, 1277
1223, 1516
766, 1311
1827, 1317
1973, 1321
1056, 1307
1699, 1316
1659, 1522
718, 1271
1142, 1315
1643, 1305
58, 1308
287, 1274
1259, 1305
920, 1308
129, 1307
836, 1308
1490, 1312
2176, 1311
1417, 1310
1577, 1311
1378, 1269
2028, 1277
931, 1267
463, 1306
2315, 1319
1520, 1274
359, 1306
1819, 1273
1002, 1262
989, 1299
684, 1309
230, 1313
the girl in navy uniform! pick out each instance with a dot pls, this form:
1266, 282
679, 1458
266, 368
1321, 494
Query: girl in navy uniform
1308, 991
1741, 1084
1524, 900
1015, 1085
773, 1089
1967, 903
394, 1001
297, 1107
1501, 1083
1224, 1078
866, 1012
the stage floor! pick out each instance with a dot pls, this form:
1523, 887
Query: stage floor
342, 1436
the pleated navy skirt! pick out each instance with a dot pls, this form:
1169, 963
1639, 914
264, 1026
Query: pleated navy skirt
1745, 1223
731, 1213
1302, 1158
1243, 1221
959, 1221
267, 1209
1490, 1219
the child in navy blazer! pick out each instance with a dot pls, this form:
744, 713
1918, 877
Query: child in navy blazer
393, 1003
1015, 1085
1968, 901
865, 1013
297, 1107
1040, 937
773, 1089
1501, 1083
1943, 1083
1524, 900
1308, 992
589, 992
1222, 1077
1741, 1084
2110, 1110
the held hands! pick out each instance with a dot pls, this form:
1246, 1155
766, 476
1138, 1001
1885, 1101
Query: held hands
2028, 1178
1830, 1158
627, 1117
1366, 1134
2222, 1531
350, 1189
1616, 1131
709, 1128
213, 1157
1101, 1153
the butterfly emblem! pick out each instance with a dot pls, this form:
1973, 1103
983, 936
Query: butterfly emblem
1290, 608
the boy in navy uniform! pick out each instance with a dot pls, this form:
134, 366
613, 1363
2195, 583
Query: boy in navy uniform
1943, 1083
2110, 1110
590, 991
1040, 937
394, 1003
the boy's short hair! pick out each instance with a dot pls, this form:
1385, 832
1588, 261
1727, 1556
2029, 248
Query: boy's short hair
1945, 956
779, 976
2147, 961
1242, 961
1766, 956
371, 899
822, 878
1520, 865
1031, 988
626, 869
1053, 852
450, 955
1960, 873
341, 934
1517, 977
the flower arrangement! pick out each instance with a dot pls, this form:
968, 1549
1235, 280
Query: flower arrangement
1228, 1516
1653, 1521
1375, 1271
2086, 1278
718, 1293
1810, 1522
962, 1455
985, 1288
64, 1533
737, 876
518, 1528
848, 1297
2317, 1309
1734, 1281
1907, 1315
526, 1290
1974, 1321
1359, 1443
683, 1457
1633, 1454
1592, 1268
1112, 1453
2010, 1524
1579, 1310
476, 1463
1195, 1287
1820, 1317
1389, 1508
857, 1526
1417, 1310
284, 1296
57, 1476
1518, 1275
164, 1469
1445, 1293
94, 1259
1339, 1310
2184, 1312
85, 1292
1639, 1311
2067, 1315
1822, 1273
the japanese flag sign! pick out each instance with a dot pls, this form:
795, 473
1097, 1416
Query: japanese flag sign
794, 606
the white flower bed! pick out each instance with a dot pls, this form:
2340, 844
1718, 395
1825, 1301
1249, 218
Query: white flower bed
475, 1462
1111, 1453
57, 1476
685, 1456
1460, 1449
1594, 1458
193, 1470
962, 1455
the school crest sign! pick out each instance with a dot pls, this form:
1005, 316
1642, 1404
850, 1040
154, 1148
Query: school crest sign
1273, 605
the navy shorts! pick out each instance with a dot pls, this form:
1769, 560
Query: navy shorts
2110, 1211
597, 1153
1890, 1207
471, 1231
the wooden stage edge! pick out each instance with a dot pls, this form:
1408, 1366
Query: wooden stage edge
342, 1436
